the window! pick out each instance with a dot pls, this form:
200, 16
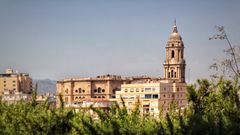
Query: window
152, 109
175, 74
103, 96
172, 73
172, 53
155, 96
153, 89
177, 89
132, 97
80, 90
76, 91
4, 85
83, 91
103, 90
137, 90
148, 96
95, 90
126, 90
95, 97
99, 90
147, 89
4, 81
164, 95
164, 89
131, 90
169, 74
13, 81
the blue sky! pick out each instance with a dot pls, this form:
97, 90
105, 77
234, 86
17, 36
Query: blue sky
57, 39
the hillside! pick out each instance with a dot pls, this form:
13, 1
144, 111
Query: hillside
45, 85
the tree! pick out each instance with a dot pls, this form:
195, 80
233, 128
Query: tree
231, 64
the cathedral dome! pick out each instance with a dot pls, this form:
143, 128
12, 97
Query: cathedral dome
175, 36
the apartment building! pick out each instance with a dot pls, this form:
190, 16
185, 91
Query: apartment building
15, 81
153, 97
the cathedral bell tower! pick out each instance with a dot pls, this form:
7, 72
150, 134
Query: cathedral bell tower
174, 65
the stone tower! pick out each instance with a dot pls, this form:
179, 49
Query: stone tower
174, 65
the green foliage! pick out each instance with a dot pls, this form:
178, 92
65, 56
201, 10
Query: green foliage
213, 109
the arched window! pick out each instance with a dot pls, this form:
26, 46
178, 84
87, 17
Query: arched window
172, 73
80, 90
172, 53
99, 90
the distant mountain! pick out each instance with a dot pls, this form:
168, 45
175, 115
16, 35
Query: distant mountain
45, 85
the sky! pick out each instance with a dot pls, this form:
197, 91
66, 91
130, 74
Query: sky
58, 39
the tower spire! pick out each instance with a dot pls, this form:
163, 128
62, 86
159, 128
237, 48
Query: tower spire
175, 26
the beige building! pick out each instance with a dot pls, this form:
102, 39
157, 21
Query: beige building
75, 91
153, 97
101, 87
11, 96
14, 81
147, 95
